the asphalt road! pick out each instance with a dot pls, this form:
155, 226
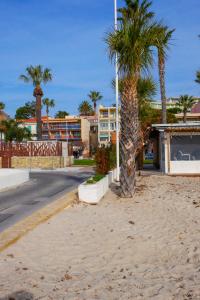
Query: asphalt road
43, 188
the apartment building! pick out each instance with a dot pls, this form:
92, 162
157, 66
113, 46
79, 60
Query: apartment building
75, 130
171, 103
106, 124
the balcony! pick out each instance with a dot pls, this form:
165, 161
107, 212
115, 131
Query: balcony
61, 127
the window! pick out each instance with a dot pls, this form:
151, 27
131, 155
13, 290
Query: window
185, 147
104, 125
104, 114
112, 126
103, 139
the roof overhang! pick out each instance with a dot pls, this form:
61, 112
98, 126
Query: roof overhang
184, 127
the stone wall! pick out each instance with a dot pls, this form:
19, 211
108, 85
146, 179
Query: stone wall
47, 162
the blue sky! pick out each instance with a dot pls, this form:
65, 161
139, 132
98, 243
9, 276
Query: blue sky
68, 37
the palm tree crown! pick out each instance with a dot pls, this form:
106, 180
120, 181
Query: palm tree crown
185, 103
134, 38
85, 109
49, 103
37, 75
95, 96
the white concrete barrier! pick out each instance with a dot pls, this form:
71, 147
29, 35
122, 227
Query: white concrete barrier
12, 177
93, 193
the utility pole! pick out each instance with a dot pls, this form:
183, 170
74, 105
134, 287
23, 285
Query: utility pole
117, 96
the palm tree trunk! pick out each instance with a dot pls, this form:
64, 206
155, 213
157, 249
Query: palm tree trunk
184, 117
129, 137
95, 107
161, 66
39, 116
47, 112
38, 95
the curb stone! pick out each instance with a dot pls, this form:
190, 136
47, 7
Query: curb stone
14, 233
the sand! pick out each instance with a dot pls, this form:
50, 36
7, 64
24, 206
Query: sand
147, 247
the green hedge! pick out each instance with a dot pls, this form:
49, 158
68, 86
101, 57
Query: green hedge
84, 162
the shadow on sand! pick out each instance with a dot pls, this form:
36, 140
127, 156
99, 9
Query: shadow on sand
19, 295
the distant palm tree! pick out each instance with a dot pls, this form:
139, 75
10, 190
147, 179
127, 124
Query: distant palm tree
49, 103
197, 77
133, 43
37, 75
85, 109
185, 103
95, 96
2, 106
61, 114
162, 41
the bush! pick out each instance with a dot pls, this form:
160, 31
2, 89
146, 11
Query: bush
105, 159
95, 179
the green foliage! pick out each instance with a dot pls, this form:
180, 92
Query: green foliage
85, 109
149, 116
36, 75
162, 39
148, 161
134, 38
13, 131
2, 106
171, 118
112, 157
61, 114
174, 110
105, 159
84, 162
95, 179
95, 96
197, 77
49, 103
185, 103
27, 111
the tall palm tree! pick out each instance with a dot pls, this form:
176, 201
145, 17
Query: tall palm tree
2, 106
85, 109
185, 103
162, 42
95, 96
132, 41
37, 76
49, 103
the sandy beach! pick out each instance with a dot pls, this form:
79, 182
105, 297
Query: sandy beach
147, 247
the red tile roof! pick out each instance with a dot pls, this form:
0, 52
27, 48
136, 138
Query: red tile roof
32, 120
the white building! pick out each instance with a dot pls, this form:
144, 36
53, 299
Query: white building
106, 124
179, 148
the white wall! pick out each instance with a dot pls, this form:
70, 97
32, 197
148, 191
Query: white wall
185, 167
10, 178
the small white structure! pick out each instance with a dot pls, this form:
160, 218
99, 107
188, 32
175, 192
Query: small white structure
93, 193
10, 178
179, 148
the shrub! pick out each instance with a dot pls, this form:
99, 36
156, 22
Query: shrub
95, 179
105, 159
